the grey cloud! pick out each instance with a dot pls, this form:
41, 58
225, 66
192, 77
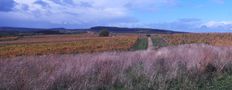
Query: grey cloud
184, 24
85, 4
25, 7
42, 3
184, 20
61, 2
70, 2
194, 25
79, 13
7, 5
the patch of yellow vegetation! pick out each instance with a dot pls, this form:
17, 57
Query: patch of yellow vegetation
216, 39
92, 44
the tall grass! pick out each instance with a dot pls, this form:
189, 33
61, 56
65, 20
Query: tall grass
185, 67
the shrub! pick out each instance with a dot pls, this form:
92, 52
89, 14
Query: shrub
148, 35
104, 33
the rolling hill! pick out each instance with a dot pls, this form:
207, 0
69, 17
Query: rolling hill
6, 31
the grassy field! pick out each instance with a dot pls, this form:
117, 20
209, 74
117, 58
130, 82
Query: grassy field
65, 44
180, 62
215, 39
185, 67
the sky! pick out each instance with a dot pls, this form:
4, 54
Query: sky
178, 15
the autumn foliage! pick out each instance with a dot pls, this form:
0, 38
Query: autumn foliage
184, 67
216, 39
65, 45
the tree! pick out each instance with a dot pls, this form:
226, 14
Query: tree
104, 33
148, 35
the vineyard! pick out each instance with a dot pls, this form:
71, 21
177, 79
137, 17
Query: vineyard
215, 39
41, 45
43, 39
185, 67
9, 38
141, 44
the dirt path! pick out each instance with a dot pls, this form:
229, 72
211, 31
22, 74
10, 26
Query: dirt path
150, 44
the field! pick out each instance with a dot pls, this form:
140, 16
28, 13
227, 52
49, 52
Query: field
66, 62
8, 38
215, 39
185, 67
43, 39
64, 44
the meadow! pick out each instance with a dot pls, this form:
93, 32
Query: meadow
64, 44
120, 62
184, 67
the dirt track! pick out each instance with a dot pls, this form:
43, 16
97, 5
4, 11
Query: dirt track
150, 44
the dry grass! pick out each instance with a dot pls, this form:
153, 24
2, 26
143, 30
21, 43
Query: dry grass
8, 38
64, 45
216, 39
185, 67
46, 39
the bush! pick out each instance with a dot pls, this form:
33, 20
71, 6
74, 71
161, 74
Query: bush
148, 35
104, 33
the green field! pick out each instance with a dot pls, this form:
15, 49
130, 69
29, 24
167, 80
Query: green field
141, 44
158, 42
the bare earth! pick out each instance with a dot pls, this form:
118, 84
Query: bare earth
150, 44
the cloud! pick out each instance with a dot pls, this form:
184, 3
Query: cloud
226, 25
62, 2
87, 13
149, 5
181, 24
42, 3
6, 5
195, 25
80, 12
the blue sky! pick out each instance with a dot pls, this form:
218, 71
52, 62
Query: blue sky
179, 15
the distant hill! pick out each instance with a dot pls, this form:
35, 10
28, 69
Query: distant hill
49, 32
9, 31
133, 30
20, 29
6, 31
